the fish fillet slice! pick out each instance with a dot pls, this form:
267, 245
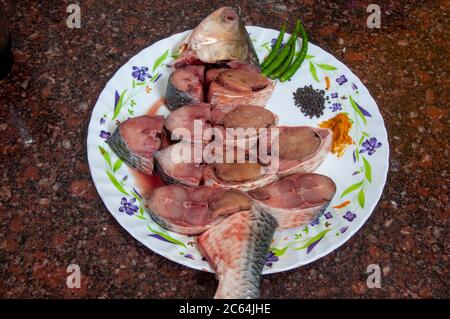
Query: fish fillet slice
236, 248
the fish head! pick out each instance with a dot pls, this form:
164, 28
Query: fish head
221, 36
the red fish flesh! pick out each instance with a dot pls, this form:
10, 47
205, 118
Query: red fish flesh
295, 200
185, 86
234, 87
136, 139
191, 211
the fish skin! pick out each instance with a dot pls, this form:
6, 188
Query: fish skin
312, 162
236, 248
176, 98
221, 36
218, 95
192, 210
289, 205
120, 148
168, 169
138, 159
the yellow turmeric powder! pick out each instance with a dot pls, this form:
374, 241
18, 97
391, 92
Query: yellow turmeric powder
340, 125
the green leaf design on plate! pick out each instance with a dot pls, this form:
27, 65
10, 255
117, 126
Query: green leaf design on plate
313, 239
361, 198
277, 251
352, 188
116, 183
313, 71
133, 84
154, 77
167, 237
105, 155
361, 140
117, 165
136, 196
266, 46
160, 60
367, 170
119, 104
327, 67
141, 217
309, 56
357, 110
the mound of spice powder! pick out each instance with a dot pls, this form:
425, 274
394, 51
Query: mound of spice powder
310, 101
340, 125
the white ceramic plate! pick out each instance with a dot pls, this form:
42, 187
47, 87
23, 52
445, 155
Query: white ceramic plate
359, 174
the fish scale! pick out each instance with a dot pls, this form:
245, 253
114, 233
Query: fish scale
237, 249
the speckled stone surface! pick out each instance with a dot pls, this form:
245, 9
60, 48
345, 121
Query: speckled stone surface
52, 216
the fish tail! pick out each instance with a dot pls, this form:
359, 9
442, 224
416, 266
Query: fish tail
244, 282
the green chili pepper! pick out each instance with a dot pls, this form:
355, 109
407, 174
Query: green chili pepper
299, 60
283, 53
275, 49
279, 72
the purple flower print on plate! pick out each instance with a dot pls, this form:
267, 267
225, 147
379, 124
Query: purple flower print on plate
128, 207
336, 107
349, 216
271, 258
370, 145
328, 215
140, 73
341, 80
273, 41
315, 222
105, 135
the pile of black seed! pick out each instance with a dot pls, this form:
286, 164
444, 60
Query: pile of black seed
310, 101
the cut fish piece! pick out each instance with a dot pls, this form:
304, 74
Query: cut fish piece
243, 118
234, 87
180, 163
242, 81
301, 148
249, 116
185, 86
295, 200
212, 75
184, 117
236, 249
187, 57
237, 172
229, 176
135, 140
190, 211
